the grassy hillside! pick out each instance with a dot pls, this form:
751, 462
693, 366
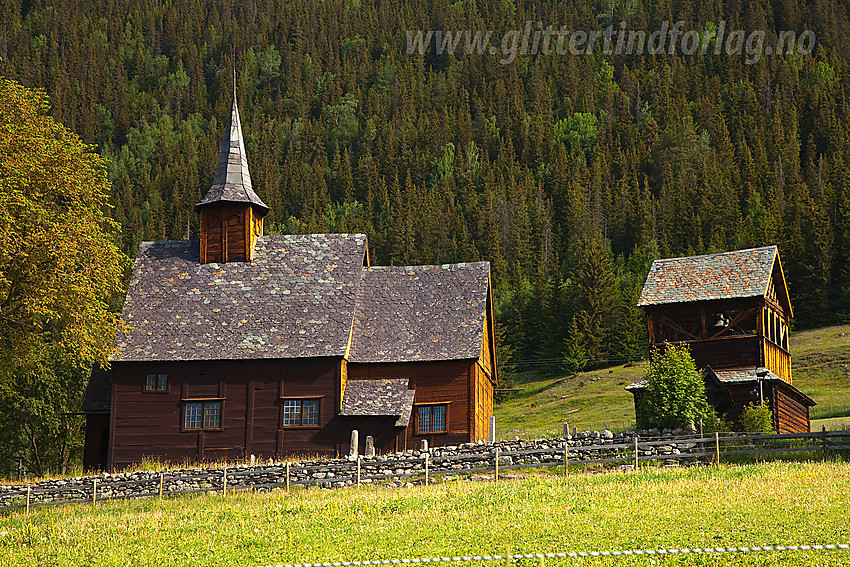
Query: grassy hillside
596, 400
764, 504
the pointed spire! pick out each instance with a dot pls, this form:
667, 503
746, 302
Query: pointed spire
232, 181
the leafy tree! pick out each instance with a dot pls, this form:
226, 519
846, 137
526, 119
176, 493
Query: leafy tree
59, 269
675, 392
757, 418
579, 130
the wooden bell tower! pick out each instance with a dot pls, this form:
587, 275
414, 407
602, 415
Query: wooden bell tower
231, 212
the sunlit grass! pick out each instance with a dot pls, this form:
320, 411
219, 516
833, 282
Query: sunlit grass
763, 504
598, 399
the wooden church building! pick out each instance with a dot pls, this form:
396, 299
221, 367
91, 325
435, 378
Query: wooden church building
733, 311
243, 344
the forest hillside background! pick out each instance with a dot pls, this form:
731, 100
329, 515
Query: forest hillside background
570, 174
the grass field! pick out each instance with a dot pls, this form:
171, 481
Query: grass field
762, 504
597, 399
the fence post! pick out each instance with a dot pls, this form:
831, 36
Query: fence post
717, 447
636, 452
497, 463
94, 493
566, 455
224, 482
823, 433
492, 429
358, 470
161, 479
427, 462
29, 492
287, 476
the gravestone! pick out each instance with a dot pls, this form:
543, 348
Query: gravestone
370, 447
355, 442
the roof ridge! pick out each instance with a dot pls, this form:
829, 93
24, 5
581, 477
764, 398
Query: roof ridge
424, 266
728, 252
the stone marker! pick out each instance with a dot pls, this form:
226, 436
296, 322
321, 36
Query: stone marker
424, 446
370, 447
355, 442
575, 430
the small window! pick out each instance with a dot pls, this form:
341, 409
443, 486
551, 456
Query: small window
202, 415
156, 383
431, 419
300, 413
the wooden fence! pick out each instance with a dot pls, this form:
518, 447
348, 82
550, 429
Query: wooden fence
491, 459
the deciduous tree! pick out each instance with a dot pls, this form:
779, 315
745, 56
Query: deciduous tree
59, 270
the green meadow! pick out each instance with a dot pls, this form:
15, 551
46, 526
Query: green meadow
757, 504
598, 399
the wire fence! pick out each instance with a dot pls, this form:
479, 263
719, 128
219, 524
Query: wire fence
423, 468
578, 554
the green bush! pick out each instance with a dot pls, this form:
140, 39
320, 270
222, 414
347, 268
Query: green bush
675, 392
757, 418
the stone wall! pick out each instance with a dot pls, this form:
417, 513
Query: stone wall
395, 469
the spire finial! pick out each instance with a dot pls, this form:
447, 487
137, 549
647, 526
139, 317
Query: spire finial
232, 182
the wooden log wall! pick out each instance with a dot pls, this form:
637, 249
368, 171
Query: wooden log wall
229, 232
96, 449
387, 437
450, 382
150, 424
790, 414
727, 352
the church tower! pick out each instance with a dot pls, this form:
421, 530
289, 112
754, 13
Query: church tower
231, 212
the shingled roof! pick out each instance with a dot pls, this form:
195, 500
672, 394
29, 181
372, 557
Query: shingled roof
417, 313
737, 375
378, 397
232, 182
295, 299
742, 273
98, 396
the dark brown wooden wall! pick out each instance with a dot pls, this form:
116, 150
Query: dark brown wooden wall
149, 424
790, 413
387, 437
434, 382
728, 352
96, 449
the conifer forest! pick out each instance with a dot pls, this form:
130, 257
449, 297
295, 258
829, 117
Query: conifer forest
569, 173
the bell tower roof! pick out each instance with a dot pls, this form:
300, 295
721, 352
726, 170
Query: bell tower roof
232, 183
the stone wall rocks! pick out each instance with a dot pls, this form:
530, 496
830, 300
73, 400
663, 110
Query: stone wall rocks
398, 469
